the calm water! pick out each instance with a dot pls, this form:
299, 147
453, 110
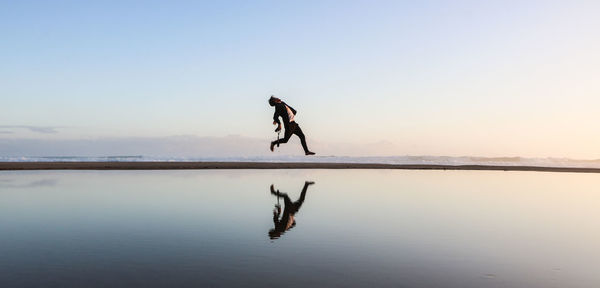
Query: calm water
352, 228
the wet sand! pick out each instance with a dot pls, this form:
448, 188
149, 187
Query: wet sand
267, 165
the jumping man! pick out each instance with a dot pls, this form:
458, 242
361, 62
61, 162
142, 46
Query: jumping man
286, 113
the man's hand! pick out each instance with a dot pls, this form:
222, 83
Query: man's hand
278, 128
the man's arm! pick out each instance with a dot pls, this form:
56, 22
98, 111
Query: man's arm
276, 121
276, 118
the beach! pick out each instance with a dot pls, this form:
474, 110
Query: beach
160, 165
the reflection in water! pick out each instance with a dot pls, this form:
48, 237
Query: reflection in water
206, 228
285, 221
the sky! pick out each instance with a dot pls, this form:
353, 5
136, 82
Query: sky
477, 78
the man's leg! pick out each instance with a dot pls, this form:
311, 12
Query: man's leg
300, 134
286, 136
286, 198
300, 200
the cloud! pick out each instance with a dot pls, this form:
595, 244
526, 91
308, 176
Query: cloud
32, 128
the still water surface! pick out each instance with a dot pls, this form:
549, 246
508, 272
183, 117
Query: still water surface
351, 228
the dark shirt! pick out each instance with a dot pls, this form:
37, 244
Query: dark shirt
281, 111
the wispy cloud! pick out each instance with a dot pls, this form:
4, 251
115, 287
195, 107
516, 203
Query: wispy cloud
9, 129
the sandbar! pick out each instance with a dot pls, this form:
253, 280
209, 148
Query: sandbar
158, 165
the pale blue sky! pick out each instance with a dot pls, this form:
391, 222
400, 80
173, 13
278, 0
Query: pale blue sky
482, 78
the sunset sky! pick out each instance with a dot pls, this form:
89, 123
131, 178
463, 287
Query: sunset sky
484, 78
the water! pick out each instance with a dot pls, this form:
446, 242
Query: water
384, 228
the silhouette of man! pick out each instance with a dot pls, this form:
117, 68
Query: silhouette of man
290, 209
286, 113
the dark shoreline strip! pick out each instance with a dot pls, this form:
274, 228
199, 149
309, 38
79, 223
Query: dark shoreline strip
268, 165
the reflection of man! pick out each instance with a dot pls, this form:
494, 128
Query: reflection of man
287, 220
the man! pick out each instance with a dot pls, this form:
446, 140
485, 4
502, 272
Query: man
287, 220
286, 113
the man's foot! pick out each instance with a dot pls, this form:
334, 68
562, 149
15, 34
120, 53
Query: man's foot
309, 182
272, 146
310, 153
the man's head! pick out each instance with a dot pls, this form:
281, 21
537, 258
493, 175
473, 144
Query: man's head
274, 100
